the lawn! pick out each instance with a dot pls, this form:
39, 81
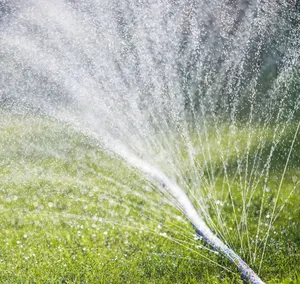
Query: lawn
70, 213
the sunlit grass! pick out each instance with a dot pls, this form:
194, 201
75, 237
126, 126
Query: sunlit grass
70, 213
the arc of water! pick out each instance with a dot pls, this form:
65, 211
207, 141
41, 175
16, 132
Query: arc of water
190, 212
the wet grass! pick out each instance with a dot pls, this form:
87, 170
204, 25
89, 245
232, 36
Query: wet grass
72, 214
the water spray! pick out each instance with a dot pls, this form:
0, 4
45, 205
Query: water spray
201, 228
131, 69
205, 232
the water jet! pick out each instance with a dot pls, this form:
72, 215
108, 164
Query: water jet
197, 96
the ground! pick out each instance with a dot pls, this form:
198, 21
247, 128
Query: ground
72, 214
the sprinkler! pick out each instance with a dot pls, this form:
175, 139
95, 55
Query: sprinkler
191, 213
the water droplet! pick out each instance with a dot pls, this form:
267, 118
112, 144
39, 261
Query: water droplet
197, 237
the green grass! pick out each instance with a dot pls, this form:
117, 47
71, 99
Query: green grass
72, 214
